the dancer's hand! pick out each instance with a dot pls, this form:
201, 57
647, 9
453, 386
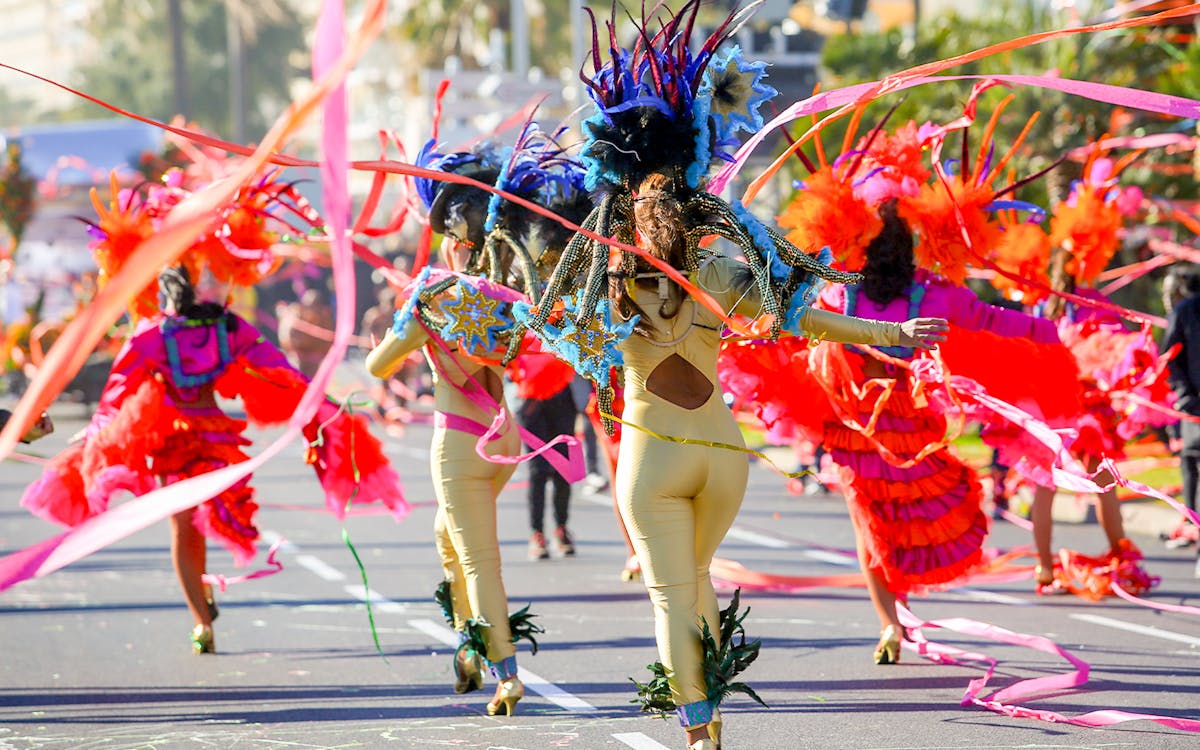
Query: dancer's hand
923, 333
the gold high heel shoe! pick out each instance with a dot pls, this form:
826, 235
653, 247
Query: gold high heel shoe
468, 670
714, 729
705, 744
632, 570
888, 650
1046, 583
202, 640
508, 692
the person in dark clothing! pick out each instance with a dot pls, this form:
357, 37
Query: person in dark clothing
548, 418
1183, 328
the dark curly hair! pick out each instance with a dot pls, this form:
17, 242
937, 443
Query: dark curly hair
175, 285
890, 267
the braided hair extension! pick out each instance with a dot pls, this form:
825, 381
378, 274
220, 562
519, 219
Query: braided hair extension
890, 266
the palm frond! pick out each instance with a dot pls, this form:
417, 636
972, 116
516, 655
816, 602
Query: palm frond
654, 696
441, 595
521, 624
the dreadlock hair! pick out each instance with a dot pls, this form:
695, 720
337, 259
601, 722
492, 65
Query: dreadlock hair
659, 218
890, 266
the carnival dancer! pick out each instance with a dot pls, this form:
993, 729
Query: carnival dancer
460, 318
1121, 378
663, 109
915, 505
158, 420
916, 509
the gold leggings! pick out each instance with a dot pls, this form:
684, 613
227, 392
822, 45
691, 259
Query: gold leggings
678, 501
465, 528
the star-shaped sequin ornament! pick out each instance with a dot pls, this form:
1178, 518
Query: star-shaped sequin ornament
591, 345
737, 91
474, 319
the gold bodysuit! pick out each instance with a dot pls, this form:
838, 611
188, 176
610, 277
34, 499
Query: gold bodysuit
466, 485
679, 500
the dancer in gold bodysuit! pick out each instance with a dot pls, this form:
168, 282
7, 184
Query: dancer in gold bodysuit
482, 236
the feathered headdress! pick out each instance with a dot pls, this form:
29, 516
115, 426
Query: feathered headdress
665, 107
1088, 223
535, 168
237, 248
950, 208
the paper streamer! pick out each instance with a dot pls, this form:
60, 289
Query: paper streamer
1001, 700
846, 98
273, 566
81, 336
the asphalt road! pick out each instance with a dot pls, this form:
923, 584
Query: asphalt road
97, 656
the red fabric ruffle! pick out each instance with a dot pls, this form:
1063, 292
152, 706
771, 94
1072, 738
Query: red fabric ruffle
771, 381
923, 525
58, 495
350, 462
270, 394
539, 375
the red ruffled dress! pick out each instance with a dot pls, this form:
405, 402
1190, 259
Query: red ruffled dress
158, 421
917, 504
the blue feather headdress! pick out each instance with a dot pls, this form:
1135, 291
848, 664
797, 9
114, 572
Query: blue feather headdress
662, 93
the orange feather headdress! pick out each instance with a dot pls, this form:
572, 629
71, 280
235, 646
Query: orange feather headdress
237, 248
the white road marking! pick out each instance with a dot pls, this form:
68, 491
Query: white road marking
271, 537
992, 596
435, 631
534, 682
379, 602
1142, 629
639, 741
746, 535
833, 558
320, 567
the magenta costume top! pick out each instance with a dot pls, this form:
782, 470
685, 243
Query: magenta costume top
934, 296
158, 421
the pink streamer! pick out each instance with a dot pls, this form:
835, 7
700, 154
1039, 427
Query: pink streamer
121, 521
571, 466
999, 701
274, 566
1120, 95
1182, 609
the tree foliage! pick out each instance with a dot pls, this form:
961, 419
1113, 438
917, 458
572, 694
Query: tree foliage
1152, 59
132, 67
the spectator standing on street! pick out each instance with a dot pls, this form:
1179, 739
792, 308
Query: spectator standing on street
547, 415
306, 331
1183, 328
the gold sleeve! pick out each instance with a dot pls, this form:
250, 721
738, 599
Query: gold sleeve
389, 354
731, 285
831, 326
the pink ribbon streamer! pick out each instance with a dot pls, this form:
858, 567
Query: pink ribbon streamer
1120, 95
273, 566
1000, 701
571, 466
1182, 609
125, 519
